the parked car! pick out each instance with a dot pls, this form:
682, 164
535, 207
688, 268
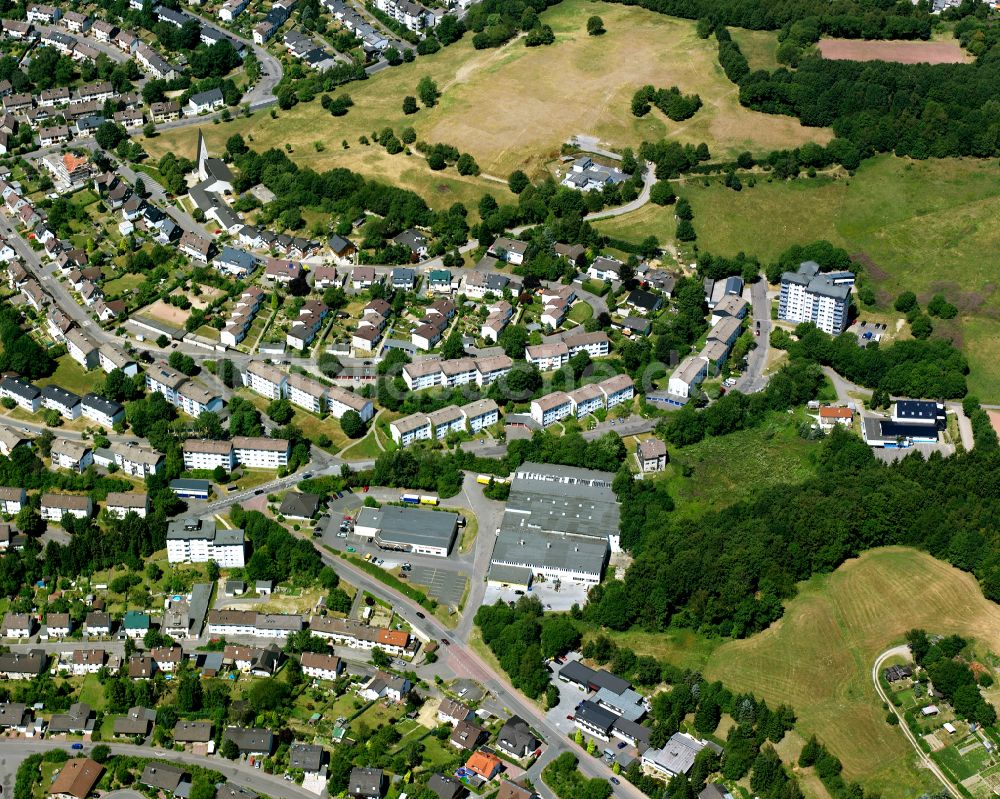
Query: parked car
77, 746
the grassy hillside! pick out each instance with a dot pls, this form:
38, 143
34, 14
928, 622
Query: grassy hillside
818, 657
514, 106
921, 225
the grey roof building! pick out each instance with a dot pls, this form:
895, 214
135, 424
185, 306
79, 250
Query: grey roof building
415, 530
592, 679
166, 777
298, 505
307, 757
250, 740
516, 739
365, 783
138, 721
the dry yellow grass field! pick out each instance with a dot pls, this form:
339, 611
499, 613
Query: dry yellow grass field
818, 656
513, 107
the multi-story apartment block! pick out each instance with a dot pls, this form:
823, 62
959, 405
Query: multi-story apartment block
808, 296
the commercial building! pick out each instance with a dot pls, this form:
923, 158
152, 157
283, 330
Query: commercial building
252, 623
559, 522
416, 530
809, 296
200, 541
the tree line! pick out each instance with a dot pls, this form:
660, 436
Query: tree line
910, 368
916, 110
729, 571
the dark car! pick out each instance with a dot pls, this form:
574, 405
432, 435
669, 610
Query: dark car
258, 492
420, 615
307, 475
446, 642
615, 781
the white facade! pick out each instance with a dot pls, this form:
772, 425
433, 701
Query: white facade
261, 453
551, 408
208, 455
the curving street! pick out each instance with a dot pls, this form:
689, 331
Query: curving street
925, 759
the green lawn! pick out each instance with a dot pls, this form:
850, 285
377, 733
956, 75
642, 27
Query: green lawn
580, 312
721, 469
72, 377
650, 220
120, 285
759, 47
92, 692
918, 225
365, 449
962, 766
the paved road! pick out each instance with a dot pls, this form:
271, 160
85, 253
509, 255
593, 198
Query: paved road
753, 379
930, 765
648, 179
13, 751
457, 658
262, 94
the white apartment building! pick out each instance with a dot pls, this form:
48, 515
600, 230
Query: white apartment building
55, 506
480, 414
136, 460
200, 541
339, 401
206, 454
12, 500
119, 503
71, 455
111, 357
260, 452
445, 420
551, 408
808, 296
691, 371
267, 380
547, 356
585, 400
306, 393
102, 411
194, 399
415, 427
616, 390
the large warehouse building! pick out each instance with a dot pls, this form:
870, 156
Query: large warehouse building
423, 532
560, 523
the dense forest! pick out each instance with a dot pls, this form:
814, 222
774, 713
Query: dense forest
729, 571
867, 19
917, 110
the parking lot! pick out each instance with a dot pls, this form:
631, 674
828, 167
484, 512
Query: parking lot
551, 599
447, 587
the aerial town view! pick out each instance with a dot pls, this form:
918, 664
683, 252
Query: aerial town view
499, 399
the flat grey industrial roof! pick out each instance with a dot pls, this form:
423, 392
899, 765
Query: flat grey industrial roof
538, 549
515, 575
413, 526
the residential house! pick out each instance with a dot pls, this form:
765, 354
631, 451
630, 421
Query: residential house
651, 455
